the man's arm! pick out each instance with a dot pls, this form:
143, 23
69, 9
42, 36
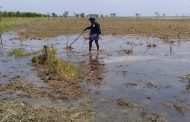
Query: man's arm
99, 29
88, 28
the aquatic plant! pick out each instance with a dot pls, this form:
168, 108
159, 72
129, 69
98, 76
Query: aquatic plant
18, 52
60, 68
188, 76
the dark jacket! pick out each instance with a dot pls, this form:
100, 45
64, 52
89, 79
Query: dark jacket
94, 28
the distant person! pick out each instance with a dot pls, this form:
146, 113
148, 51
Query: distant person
95, 31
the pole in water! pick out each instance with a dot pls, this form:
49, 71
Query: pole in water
1, 39
69, 47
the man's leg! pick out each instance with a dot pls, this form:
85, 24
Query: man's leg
90, 45
97, 44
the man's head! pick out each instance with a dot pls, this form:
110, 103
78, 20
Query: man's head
92, 19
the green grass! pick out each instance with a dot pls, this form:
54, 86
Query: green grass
18, 52
188, 76
63, 69
10, 23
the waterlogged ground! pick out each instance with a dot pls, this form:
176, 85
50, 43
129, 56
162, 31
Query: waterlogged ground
128, 81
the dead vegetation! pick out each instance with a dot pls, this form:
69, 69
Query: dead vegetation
54, 90
128, 51
60, 69
188, 85
123, 103
62, 82
152, 117
61, 76
27, 89
13, 111
144, 115
179, 107
161, 28
151, 45
151, 85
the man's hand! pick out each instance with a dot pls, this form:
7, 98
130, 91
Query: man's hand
85, 29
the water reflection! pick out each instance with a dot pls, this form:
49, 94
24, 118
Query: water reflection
171, 48
96, 69
1, 40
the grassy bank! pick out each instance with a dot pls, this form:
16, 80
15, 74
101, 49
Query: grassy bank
61, 76
44, 27
11, 23
61, 69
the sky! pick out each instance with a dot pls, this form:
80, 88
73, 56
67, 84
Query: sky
121, 7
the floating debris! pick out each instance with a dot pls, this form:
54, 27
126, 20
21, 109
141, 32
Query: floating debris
180, 107
124, 103
132, 84
151, 45
68, 48
188, 88
128, 51
151, 85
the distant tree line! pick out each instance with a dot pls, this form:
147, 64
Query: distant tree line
20, 14
54, 15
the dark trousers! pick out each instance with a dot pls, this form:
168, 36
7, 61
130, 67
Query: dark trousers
90, 44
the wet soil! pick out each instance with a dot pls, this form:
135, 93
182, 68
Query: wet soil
128, 79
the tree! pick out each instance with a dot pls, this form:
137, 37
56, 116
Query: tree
137, 14
164, 15
18, 13
76, 15
1, 14
157, 14
11, 14
93, 15
48, 15
113, 14
66, 14
82, 15
54, 15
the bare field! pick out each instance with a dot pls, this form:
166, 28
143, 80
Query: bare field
162, 28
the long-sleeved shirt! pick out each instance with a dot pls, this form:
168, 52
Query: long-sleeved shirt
94, 28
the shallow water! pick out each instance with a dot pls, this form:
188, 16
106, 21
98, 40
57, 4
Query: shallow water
161, 66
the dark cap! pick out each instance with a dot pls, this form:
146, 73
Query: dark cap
92, 18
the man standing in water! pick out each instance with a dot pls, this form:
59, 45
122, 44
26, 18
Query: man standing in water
95, 31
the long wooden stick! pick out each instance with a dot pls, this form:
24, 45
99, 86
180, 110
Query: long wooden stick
1, 39
76, 38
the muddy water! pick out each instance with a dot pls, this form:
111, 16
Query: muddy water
148, 77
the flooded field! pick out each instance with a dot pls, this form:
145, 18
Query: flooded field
129, 80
